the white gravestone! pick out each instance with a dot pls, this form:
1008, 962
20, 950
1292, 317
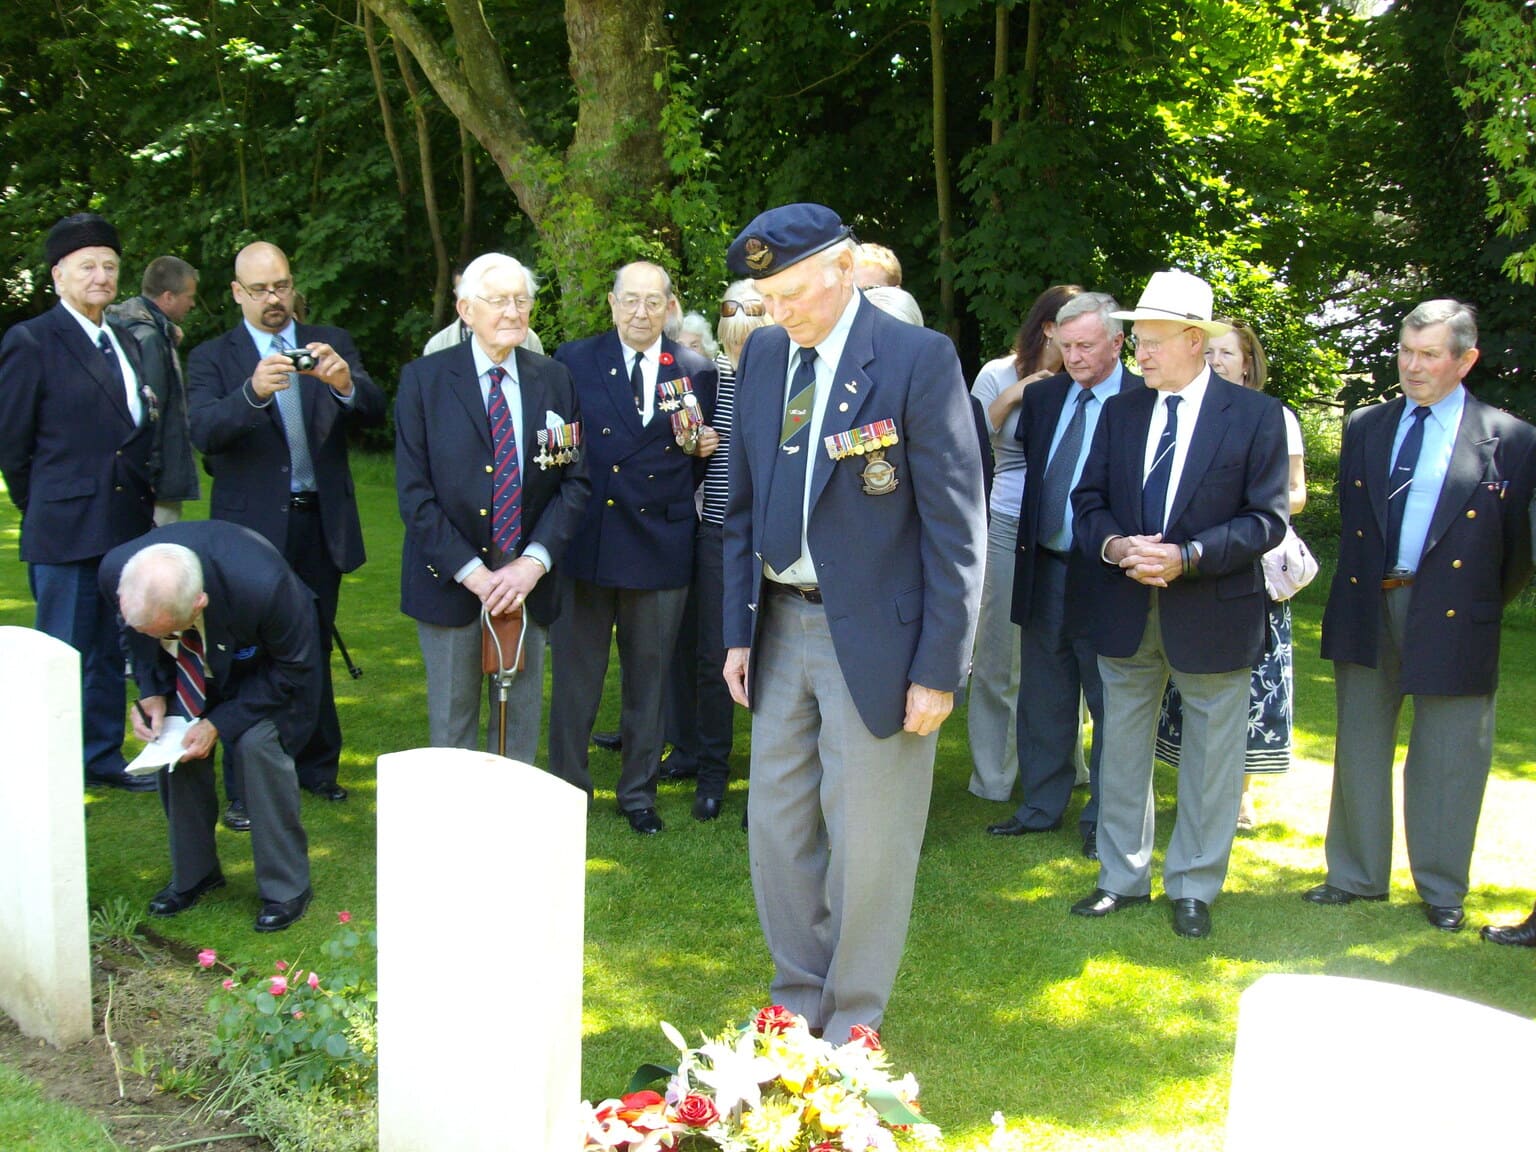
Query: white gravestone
480, 954
45, 937
1332, 1062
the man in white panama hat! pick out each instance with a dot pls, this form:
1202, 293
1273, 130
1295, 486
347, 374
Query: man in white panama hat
1183, 491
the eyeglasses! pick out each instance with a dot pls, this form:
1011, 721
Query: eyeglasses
262, 291
1152, 347
745, 307
632, 303
499, 303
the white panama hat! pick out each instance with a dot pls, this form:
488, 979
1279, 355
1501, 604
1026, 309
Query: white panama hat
1176, 296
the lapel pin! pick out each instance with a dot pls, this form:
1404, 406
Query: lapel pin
852, 387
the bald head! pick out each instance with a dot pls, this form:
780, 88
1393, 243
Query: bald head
263, 286
160, 590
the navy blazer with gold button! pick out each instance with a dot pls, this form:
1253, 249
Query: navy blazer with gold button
1476, 558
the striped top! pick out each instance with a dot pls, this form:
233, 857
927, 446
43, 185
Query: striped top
717, 475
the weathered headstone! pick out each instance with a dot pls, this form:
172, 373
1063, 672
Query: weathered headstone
1331, 1062
480, 954
45, 937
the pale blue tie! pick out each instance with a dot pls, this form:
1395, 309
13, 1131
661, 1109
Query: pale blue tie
290, 406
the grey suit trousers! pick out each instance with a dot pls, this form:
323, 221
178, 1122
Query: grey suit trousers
645, 623
455, 683
837, 827
279, 846
1450, 750
1210, 772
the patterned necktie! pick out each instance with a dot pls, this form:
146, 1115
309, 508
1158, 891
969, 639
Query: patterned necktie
1154, 493
637, 383
115, 370
1402, 481
191, 675
507, 481
783, 532
290, 406
1058, 477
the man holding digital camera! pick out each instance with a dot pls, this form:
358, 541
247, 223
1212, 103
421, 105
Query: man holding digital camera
270, 403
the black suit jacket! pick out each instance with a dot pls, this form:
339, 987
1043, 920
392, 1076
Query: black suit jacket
1476, 558
260, 632
443, 470
1232, 498
245, 450
73, 460
1039, 412
637, 531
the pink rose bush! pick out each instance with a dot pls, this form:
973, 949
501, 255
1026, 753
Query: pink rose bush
769, 1086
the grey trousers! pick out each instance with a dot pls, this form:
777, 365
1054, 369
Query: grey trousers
1210, 772
1450, 750
837, 827
645, 622
279, 846
994, 693
455, 684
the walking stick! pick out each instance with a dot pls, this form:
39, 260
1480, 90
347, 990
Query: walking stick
346, 657
500, 669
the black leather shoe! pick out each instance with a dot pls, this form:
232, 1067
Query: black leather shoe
1102, 903
675, 767
1446, 917
236, 819
1522, 935
1013, 826
1329, 895
332, 792
1091, 844
123, 782
1191, 918
168, 901
278, 914
608, 741
645, 821
706, 807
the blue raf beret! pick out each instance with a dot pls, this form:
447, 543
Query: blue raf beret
782, 237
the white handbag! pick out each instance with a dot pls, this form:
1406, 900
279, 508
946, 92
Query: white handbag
1288, 567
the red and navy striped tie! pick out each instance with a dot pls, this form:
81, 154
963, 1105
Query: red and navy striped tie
507, 480
191, 674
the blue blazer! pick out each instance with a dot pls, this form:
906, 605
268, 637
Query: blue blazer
1039, 413
900, 572
73, 460
443, 469
260, 629
1232, 498
637, 531
246, 452
1476, 558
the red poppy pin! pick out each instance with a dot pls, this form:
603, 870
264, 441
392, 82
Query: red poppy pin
666, 359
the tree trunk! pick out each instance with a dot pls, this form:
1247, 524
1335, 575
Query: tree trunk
947, 321
999, 68
428, 186
467, 180
402, 181
1031, 60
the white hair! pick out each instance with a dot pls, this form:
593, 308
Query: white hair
159, 578
473, 279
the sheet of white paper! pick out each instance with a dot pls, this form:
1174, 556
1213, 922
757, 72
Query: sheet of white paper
163, 752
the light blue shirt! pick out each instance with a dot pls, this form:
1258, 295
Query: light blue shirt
266, 344
512, 390
1102, 391
1440, 428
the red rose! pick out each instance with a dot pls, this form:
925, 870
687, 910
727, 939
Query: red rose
635, 1103
862, 1034
775, 1019
666, 359
697, 1111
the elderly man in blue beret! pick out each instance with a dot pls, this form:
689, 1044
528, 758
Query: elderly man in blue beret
854, 542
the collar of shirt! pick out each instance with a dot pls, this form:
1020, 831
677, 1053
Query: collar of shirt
1446, 412
264, 339
1191, 398
483, 364
93, 333
650, 367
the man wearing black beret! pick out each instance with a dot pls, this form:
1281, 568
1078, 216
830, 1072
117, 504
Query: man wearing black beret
854, 540
77, 436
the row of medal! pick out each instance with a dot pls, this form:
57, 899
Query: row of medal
558, 445
858, 441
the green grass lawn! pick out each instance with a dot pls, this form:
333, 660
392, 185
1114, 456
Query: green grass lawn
1085, 1034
